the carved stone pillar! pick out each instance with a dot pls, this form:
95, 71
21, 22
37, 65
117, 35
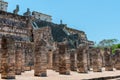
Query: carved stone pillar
0, 59
29, 56
108, 59
73, 60
40, 64
82, 59
50, 59
18, 59
64, 60
96, 60
117, 59
42, 43
23, 57
8, 58
56, 60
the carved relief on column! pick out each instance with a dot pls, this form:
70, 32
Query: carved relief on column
73, 60
56, 60
18, 59
23, 56
96, 60
50, 59
8, 58
64, 59
108, 59
40, 64
82, 59
29, 56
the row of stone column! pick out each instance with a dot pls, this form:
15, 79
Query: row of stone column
18, 57
13, 58
84, 59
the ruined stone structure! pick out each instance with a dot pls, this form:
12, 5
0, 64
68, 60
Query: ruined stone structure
42, 16
56, 60
33, 41
40, 58
96, 59
3, 5
18, 58
8, 58
82, 59
41, 49
29, 56
108, 59
117, 59
64, 59
73, 60
50, 59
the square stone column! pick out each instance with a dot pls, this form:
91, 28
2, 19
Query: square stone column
50, 59
18, 59
96, 60
73, 60
29, 56
117, 59
42, 44
56, 60
64, 59
82, 59
108, 59
23, 56
8, 58
0, 58
40, 64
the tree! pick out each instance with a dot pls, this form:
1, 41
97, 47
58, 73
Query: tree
107, 43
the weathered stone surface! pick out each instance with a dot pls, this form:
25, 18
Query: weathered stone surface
82, 59
8, 58
40, 64
18, 59
64, 59
29, 56
50, 59
23, 56
41, 47
108, 59
117, 59
56, 60
96, 59
73, 60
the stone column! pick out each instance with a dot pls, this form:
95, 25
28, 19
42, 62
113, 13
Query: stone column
40, 64
29, 60
64, 60
117, 59
56, 60
18, 60
82, 59
108, 59
23, 56
50, 59
96, 60
8, 58
73, 60
0, 59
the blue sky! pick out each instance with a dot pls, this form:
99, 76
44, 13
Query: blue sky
100, 19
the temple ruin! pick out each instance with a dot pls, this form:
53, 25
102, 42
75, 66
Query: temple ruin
33, 42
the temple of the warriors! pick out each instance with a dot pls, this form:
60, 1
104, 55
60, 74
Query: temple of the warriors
33, 42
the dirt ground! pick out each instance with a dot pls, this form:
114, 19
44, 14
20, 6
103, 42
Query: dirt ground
52, 75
